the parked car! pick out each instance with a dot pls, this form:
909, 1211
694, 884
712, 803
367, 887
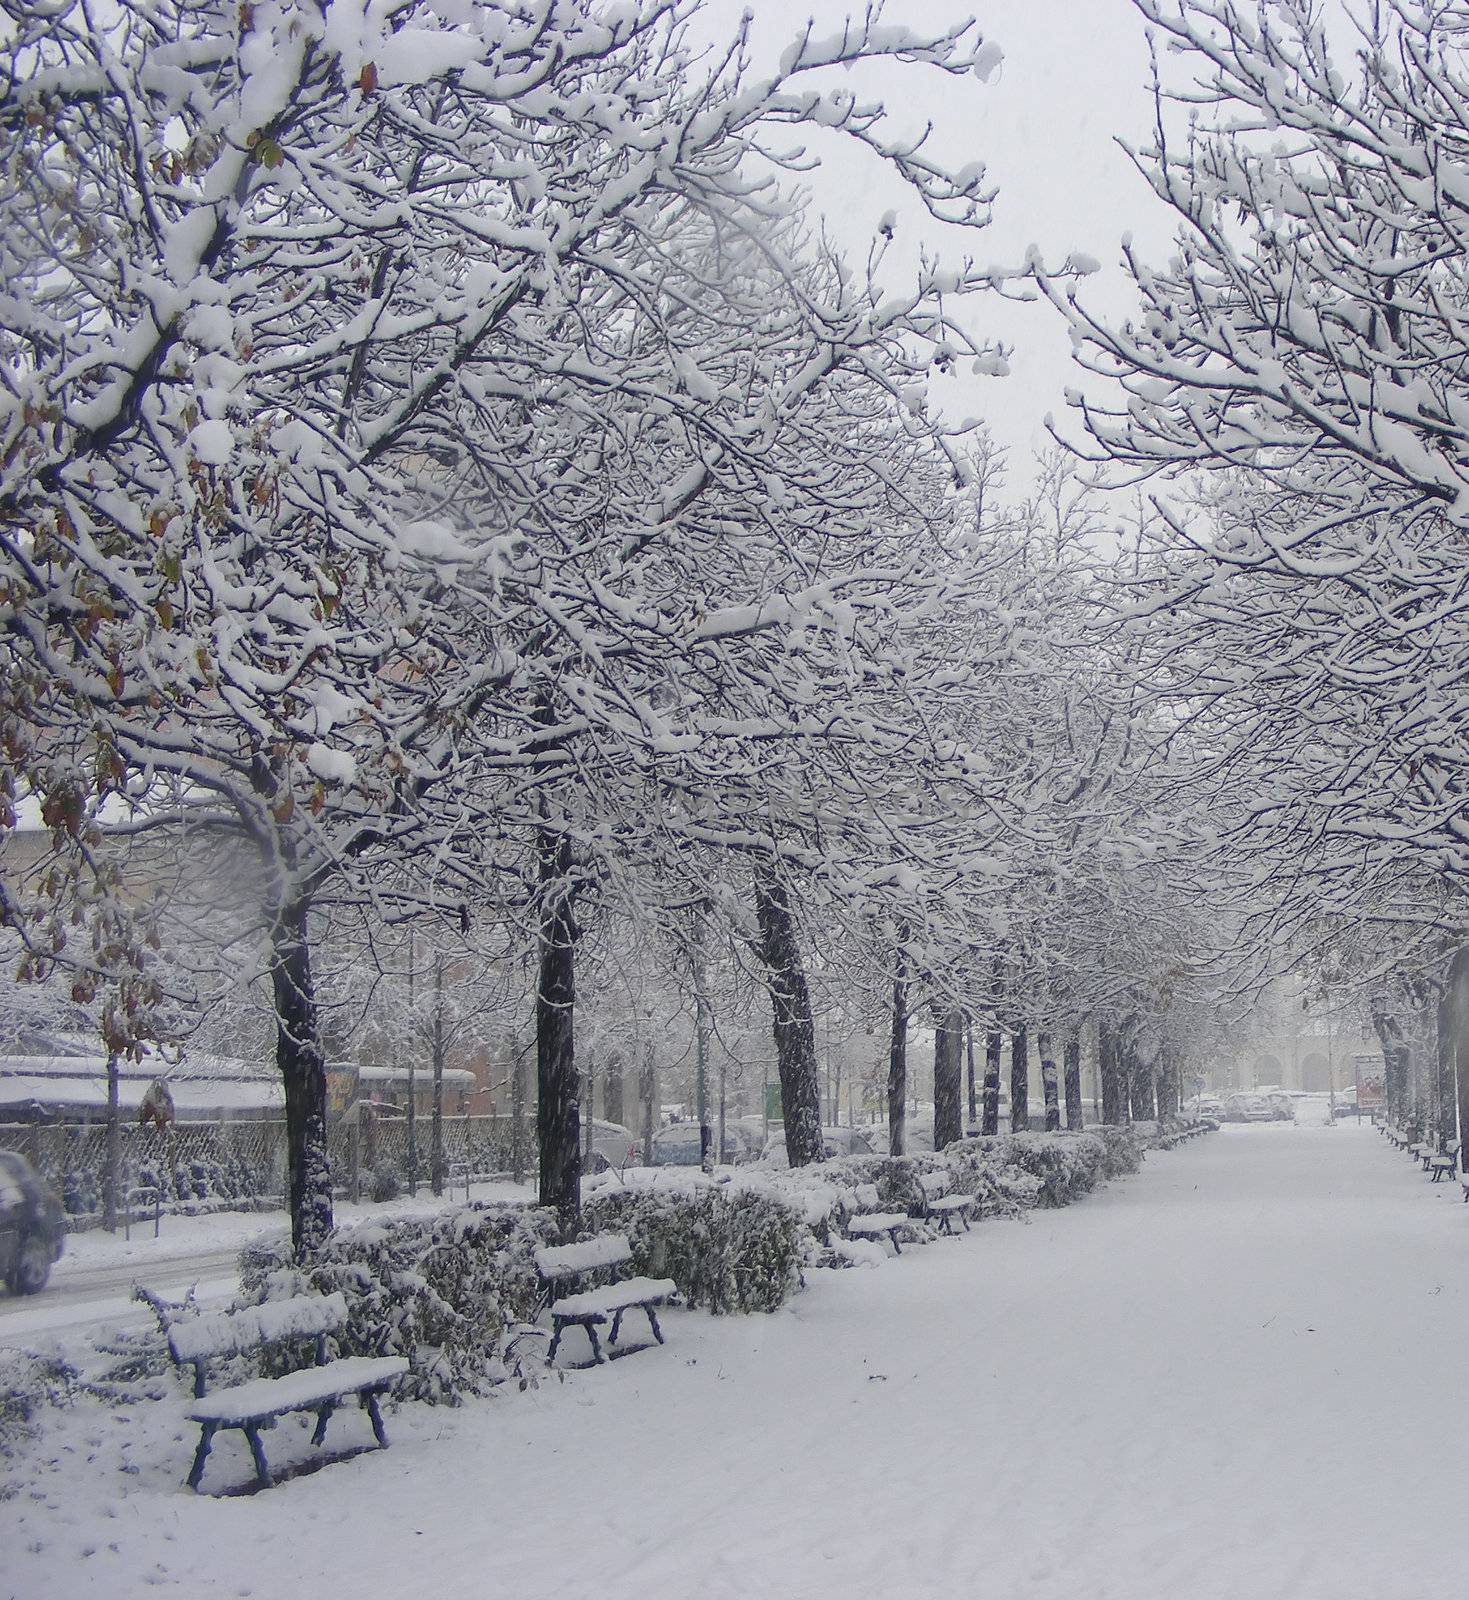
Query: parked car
612, 1146
1248, 1108
32, 1225
677, 1145
1282, 1105
835, 1142
1205, 1105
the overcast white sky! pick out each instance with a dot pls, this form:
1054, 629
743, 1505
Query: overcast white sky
1075, 75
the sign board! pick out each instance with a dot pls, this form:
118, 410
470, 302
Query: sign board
1371, 1082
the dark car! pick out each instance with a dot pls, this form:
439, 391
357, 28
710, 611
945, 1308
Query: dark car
32, 1225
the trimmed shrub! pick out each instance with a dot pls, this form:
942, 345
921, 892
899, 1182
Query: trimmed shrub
728, 1246
445, 1291
1123, 1147
29, 1383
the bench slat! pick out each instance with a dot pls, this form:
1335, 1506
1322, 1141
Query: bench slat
591, 1255
615, 1297
296, 1391
232, 1333
877, 1222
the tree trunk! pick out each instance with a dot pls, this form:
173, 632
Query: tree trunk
948, 1042
993, 1044
969, 1055
1020, 1079
1168, 1077
436, 1130
1390, 1036
612, 1107
1140, 1083
1110, 1067
898, 1065
648, 1095
1072, 1071
558, 1089
1050, 1088
795, 1037
1457, 990
701, 1054
112, 1162
302, 1064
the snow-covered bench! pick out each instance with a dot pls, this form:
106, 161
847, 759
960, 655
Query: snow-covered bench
258, 1403
568, 1264
870, 1223
939, 1205
1441, 1166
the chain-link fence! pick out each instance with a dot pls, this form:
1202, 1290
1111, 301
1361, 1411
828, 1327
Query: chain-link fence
241, 1165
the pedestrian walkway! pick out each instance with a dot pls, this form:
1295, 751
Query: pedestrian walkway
1233, 1377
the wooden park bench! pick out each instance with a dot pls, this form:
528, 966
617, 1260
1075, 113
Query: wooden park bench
1442, 1166
568, 1264
942, 1207
258, 1403
870, 1223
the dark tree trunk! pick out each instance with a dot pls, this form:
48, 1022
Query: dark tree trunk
1457, 989
701, 1057
1114, 1083
112, 1161
612, 1088
993, 1044
898, 1064
1140, 1083
558, 1088
790, 1001
948, 1043
1072, 1070
1389, 1034
1445, 1083
1020, 1079
302, 1063
969, 1057
648, 1099
1165, 1095
1050, 1088
436, 1127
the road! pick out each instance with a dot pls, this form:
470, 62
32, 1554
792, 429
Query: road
83, 1299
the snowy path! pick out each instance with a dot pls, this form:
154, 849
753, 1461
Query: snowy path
1216, 1379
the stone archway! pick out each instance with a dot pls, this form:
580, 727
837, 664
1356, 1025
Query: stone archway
1315, 1073
1267, 1070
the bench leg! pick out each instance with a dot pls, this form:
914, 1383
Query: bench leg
893, 1235
206, 1438
322, 1417
257, 1450
597, 1355
653, 1323
964, 1218
560, 1328
616, 1328
375, 1417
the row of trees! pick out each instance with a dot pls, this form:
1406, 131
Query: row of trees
447, 483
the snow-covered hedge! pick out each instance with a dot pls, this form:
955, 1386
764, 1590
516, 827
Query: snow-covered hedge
443, 1290
1064, 1166
729, 1246
29, 1383
1124, 1143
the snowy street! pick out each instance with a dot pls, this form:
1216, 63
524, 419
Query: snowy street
1220, 1378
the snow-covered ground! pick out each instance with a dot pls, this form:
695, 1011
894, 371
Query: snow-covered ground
1226, 1377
